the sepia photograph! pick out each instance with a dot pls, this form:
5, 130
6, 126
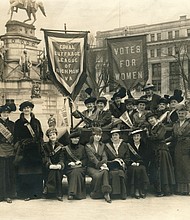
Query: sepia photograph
94, 109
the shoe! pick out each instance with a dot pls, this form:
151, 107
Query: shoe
59, 198
124, 197
8, 200
137, 196
107, 198
27, 199
159, 194
70, 197
143, 195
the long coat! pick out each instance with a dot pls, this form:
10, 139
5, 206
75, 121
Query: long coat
76, 174
161, 169
137, 175
103, 118
53, 178
28, 157
117, 173
7, 170
153, 103
100, 178
182, 152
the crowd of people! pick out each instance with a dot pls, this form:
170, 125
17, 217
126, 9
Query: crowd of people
147, 144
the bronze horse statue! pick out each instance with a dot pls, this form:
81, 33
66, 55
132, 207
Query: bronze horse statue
31, 7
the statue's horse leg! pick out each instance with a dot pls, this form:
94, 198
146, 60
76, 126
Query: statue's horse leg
34, 16
29, 16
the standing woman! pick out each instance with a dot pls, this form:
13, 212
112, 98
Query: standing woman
97, 166
181, 131
118, 155
137, 173
28, 138
7, 174
162, 172
75, 162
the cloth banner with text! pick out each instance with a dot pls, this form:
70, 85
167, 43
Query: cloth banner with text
127, 58
66, 54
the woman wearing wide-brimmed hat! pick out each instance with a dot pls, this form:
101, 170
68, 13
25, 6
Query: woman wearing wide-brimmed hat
161, 166
118, 155
97, 166
75, 166
137, 167
7, 171
28, 138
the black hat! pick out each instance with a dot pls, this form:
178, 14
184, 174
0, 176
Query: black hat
130, 101
5, 108
141, 100
121, 93
11, 104
89, 100
151, 114
177, 96
51, 130
25, 104
102, 99
163, 100
75, 133
148, 86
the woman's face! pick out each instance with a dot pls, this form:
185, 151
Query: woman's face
136, 137
162, 106
52, 136
27, 110
75, 140
115, 136
182, 115
141, 106
173, 103
5, 115
97, 137
152, 120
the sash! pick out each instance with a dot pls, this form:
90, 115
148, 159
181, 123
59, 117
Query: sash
71, 154
133, 151
6, 133
111, 149
30, 129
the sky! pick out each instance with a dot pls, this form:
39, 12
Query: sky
99, 15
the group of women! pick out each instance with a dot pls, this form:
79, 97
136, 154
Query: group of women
127, 163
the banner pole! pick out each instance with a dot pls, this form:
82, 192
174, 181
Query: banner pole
70, 105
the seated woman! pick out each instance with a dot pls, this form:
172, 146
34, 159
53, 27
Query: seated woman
75, 167
137, 174
54, 164
117, 153
97, 166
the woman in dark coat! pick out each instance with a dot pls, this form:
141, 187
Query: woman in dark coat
28, 138
181, 140
137, 174
75, 162
97, 167
7, 171
54, 165
118, 155
161, 168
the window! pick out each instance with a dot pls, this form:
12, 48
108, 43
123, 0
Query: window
170, 36
152, 37
188, 32
159, 36
151, 53
177, 34
174, 76
158, 52
170, 51
156, 76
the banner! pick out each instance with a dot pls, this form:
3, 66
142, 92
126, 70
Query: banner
66, 53
127, 58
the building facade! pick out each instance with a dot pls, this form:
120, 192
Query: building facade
168, 52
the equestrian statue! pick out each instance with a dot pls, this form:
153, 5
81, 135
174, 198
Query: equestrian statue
31, 7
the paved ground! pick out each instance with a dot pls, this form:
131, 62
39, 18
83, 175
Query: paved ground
151, 208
